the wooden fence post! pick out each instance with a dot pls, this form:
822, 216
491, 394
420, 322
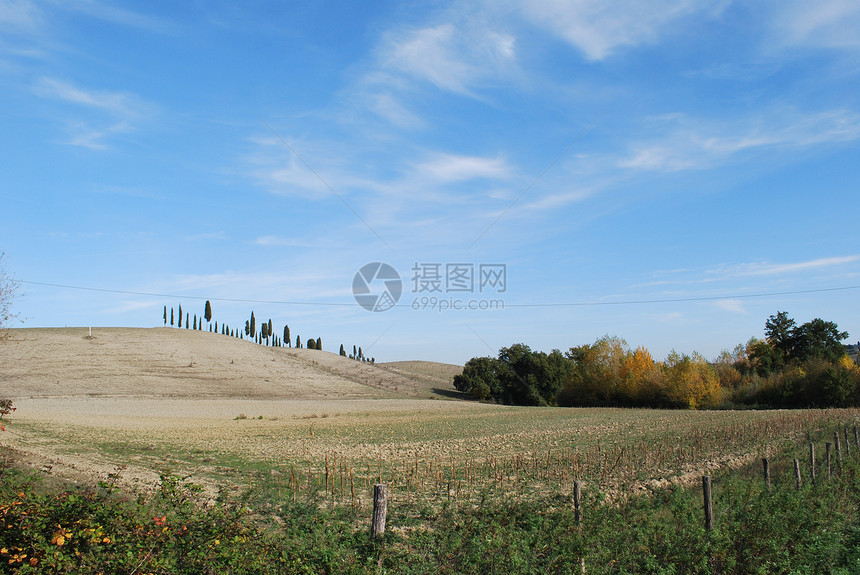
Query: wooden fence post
856, 438
829, 464
380, 508
709, 505
797, 474
812, 460
847, 444
837, 446
577, 501
766, 464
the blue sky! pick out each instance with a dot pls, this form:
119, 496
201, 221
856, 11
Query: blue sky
670, 172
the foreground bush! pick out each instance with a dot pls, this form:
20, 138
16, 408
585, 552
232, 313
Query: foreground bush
46, 528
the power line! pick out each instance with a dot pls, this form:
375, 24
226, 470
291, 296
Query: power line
685, 299
512, 305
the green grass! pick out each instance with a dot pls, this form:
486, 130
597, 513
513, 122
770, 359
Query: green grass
176, 530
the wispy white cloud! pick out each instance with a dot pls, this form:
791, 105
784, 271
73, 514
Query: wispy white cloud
689, 144
453, 58
19, 15
283, 242
134, 305
458, 168
387, 106
769, 269
116, 15
825, 23
118, 103
459, 54
747, 270
209, 236
730, 305
600, 28
111, 112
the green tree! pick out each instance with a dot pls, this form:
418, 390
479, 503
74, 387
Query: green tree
207, 312
186, 320
481, 378
779, 331
165, 315
180, 316
819, 339
195, 322
171, 317
264, 331
298, 342
287, 335
253, 324
342, 352
311, 343
247, 327
764, 358
519, 376
319, 343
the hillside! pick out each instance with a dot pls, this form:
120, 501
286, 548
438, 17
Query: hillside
437, 377
178, 363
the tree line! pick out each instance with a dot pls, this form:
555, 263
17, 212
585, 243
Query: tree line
265, 335
793, 366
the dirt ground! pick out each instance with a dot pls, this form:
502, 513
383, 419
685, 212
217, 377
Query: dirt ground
179, 363
166, 382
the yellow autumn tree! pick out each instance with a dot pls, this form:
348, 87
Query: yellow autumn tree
596, 376
691, 382
640, 378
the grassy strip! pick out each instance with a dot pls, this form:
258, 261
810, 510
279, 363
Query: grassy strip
50, 528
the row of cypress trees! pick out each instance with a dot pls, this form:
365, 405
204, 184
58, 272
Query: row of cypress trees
264, 336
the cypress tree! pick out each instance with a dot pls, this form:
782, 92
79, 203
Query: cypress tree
171, 317
342, 352
195, 322
298, 342
253, 324
319, 343
180, 316
354, 352
271, 331
360, 355
216, 327
207, 312
287, 334
186, 320
165, 315
264, 331
247, 327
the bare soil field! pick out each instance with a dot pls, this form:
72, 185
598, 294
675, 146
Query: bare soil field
179, 363
227, 412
